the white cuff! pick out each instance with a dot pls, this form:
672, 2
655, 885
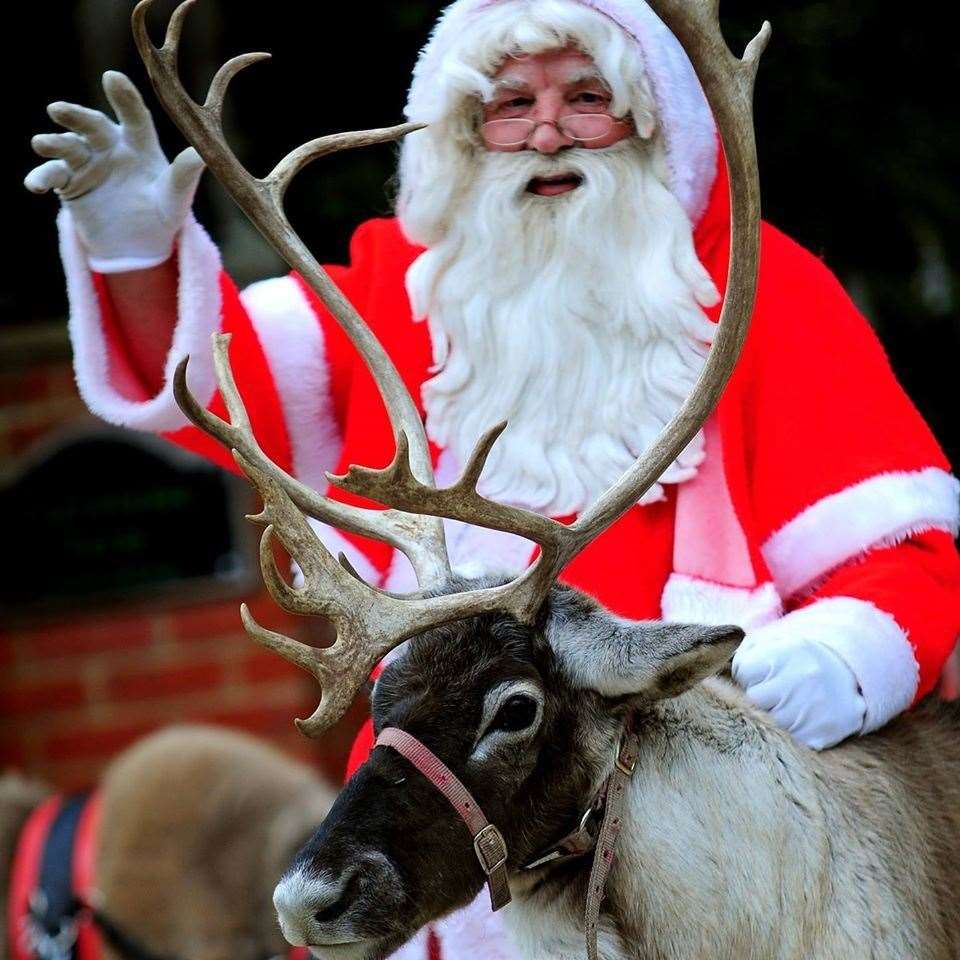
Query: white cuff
198, 317
126, 264
872, 645
879, 511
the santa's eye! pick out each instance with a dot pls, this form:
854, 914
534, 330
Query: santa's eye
516, 103
516, 713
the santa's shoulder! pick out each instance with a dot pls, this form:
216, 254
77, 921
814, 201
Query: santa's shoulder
802, 303
380, 242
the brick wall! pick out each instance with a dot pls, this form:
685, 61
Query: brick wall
75, 691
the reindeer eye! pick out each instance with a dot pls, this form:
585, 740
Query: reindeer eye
516, 714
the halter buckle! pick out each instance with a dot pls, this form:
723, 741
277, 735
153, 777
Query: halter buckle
490, 848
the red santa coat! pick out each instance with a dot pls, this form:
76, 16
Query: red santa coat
824, 503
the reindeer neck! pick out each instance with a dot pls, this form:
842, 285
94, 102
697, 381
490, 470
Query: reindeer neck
724, 820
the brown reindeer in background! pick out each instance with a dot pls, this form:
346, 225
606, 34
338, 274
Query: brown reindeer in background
526, 700
197, 825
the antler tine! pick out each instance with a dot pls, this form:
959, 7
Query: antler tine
396, 486
262, 201
282, 175
224, 77
409, 534
171, 41
369, 622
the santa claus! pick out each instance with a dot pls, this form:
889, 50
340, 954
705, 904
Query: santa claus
559, 250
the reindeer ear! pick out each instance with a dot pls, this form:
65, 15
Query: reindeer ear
623, 658
707, 652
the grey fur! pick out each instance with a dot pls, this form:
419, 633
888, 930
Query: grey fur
739, 844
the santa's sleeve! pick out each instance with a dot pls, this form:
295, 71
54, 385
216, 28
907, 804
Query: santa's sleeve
292, 365
856, 505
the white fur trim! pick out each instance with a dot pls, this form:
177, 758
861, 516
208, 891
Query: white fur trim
688, 124
869, 641
689, 599
292, 339
475, 933
882, 510
415, 949
198, 316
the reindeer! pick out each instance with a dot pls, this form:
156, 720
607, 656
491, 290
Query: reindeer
592, 759
197, 825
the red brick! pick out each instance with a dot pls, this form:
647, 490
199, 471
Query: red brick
27, 386
262, 666
269, 615
13, 755
265, 721
24, 699
6, 652
94, 742
164, 682
210, 620
82, 639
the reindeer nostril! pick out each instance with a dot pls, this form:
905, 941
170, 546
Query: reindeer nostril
332, 912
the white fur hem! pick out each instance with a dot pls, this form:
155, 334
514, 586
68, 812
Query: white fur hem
872, 645
199, 308
292, 340
689, 599
880, 511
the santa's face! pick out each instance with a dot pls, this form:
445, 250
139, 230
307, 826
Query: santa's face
547, 102
560, 280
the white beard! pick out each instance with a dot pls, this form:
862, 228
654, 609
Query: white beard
576, 318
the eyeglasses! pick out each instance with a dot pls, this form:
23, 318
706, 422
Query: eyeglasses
582, 127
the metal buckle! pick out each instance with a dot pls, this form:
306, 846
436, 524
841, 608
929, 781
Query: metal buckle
626, 761
490, 832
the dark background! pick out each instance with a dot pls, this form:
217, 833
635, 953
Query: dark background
856, 113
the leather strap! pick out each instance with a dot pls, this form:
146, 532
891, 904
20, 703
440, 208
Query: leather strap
488, 842
617, 784
24, 873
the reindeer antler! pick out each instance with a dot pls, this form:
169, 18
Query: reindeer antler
370, 622
262, 200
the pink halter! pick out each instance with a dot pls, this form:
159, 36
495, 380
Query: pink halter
488, 842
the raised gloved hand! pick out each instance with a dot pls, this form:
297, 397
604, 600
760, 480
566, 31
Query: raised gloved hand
127, 202
804, 685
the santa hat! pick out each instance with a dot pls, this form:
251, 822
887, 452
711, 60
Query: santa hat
442, 79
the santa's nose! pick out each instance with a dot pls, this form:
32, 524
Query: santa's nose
548, 138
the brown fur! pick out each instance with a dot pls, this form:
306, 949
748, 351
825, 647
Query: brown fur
198, 825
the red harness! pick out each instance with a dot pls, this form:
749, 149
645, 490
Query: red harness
25, 880
25, 875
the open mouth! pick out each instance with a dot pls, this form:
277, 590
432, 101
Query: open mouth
554, 186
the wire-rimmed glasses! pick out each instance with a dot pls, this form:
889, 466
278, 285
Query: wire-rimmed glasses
582, 127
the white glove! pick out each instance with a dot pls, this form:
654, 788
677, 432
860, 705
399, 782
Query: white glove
804, 685
127, 203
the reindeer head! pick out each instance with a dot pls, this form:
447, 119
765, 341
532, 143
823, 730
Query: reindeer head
554, 669
528, 717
